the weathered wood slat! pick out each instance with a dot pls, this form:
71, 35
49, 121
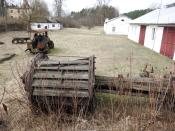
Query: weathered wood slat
55, 68
57, 75
56, 63
60, 93
137, 84
141, 81
5, 57
65, 68
59, 84
148, 88
76, 68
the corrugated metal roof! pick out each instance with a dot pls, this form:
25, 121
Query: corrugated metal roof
159, 16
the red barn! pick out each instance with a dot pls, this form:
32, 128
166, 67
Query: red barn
156, 30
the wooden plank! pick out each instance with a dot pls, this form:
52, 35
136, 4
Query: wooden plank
58, 75
54, 68
75, 68
138, 84
60, 93
149, 88
56, 63
5, 57
91, 75
65, 68
141, 81
59, 84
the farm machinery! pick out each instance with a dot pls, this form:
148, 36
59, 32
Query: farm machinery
73, 83
39, 42
20, 40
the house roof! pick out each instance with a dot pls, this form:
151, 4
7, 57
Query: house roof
117, 18
163, 16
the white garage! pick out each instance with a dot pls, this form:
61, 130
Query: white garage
117, 26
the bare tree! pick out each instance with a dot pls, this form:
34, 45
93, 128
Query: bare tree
40, 8
58, 7
103, 2
2, 7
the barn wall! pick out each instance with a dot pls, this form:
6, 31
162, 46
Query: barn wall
153, 39
105, 27
134, 32
118, 26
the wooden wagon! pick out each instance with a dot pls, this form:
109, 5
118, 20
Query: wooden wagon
61, 83
73, 83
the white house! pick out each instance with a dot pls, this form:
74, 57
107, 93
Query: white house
49, 26
155, 30
117, 26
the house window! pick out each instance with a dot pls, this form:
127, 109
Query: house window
53, 25
153, 33
12, 17
113, 29
11, 11
18, 11
39, 26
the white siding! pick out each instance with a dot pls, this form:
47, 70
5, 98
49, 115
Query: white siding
49, 26
117, 26
153, 39
134, 33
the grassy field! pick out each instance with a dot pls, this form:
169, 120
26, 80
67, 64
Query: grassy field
113, 52
114, 55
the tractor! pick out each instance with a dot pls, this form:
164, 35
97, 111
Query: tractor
40, 42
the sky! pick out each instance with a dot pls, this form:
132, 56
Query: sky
123, 5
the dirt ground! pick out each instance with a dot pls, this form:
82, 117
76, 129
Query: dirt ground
114, 55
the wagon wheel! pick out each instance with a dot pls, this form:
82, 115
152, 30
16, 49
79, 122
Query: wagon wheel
50, 44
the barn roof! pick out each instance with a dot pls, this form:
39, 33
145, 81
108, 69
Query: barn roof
161, 16
118, 18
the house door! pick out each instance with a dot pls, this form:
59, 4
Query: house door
168, 42
142, 34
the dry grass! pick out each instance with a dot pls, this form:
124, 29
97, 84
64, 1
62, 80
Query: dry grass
113, 113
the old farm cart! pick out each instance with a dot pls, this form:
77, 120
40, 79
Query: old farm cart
61, 82
73, 83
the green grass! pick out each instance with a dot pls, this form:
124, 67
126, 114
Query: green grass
112, 99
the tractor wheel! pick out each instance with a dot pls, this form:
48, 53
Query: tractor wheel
50, 44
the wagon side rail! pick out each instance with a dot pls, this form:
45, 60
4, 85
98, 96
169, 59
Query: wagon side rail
136, 87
